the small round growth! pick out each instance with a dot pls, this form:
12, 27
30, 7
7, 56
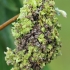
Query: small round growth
36, 36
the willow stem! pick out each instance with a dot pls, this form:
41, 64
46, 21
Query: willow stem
8, 22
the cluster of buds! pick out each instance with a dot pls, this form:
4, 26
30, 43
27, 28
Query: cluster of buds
36, 33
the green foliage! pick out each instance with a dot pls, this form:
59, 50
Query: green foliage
10, 4
8, 9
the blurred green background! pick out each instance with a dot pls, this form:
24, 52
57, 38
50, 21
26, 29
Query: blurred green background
9, 8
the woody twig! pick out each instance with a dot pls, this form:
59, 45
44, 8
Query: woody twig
8, 22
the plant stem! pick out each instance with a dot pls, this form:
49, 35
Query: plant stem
8, 22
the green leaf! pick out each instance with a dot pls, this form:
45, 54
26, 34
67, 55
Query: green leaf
10, 4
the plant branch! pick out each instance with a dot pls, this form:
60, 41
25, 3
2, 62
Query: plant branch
8, 22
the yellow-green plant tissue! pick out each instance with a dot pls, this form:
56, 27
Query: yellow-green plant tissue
36, 34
